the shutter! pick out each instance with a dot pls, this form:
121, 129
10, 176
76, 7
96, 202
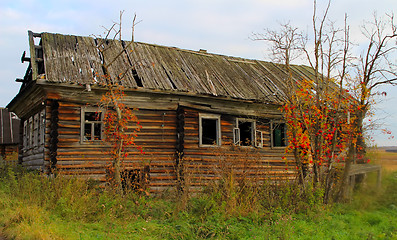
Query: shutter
258, 139
236, 136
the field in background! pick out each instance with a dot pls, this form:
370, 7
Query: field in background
385, 158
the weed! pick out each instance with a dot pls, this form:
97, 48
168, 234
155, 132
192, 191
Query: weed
34, 206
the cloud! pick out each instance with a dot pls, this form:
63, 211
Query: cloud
221, 26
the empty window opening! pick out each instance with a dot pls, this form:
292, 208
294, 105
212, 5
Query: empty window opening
247, 130
246, 134
39, 58
279, 135
209, 135
210, 130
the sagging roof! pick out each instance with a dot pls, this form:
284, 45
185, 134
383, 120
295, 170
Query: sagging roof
76, 60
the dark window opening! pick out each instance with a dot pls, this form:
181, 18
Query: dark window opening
209, 131
97, 131
87, 132
40, 58
279, 133
246, 133
92, 126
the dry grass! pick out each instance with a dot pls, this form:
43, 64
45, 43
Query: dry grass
388, 160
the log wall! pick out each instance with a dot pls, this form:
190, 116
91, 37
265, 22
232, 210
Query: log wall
169, 138
157, 138
204, 164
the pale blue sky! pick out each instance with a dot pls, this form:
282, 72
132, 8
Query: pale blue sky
220, 26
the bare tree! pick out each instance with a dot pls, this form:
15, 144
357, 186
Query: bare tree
118, 136
318, 114
334, 68
374, 69
286, 45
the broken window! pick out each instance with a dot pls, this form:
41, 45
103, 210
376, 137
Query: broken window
279, 132
91, 125
245, 133
209, 129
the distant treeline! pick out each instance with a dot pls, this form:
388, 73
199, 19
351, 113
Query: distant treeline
391, 150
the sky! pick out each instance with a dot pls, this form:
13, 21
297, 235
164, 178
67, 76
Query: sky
219, 26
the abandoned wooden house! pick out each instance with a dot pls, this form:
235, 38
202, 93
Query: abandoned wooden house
9, 136
197, 110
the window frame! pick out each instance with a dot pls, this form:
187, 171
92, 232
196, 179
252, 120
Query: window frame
272, 127
256, 135
237, 130
83, 122
35, 130
30, 132
216, 117
42, 127
25, 139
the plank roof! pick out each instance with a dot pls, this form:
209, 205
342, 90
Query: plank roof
76, 59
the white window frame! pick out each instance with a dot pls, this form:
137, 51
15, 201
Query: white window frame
42, 127
253, 133
83, 121
272, 125
30, 133
216, 117
35, 130
258, 139
256, 135
25, 135
236, 136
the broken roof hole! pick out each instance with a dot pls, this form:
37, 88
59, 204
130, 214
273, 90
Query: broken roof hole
76, 45
169, 78
37, 40
136, 78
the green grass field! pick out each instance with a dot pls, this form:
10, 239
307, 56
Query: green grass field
36, 207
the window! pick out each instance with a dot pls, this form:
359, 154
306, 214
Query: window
91, 124
30, 133
25, 135
245, 133
279, 132
41, 127
35, 130
209, 130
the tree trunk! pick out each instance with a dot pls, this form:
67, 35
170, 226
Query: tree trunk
343, 191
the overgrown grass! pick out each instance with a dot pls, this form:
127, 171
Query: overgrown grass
33, 206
